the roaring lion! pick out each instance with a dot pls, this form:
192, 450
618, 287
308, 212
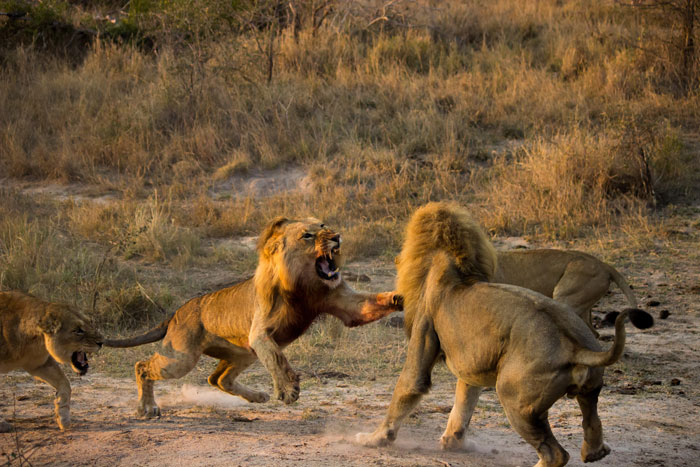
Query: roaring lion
573, 278
531, 348
297, 279
36, 336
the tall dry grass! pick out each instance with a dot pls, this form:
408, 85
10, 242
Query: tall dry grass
548, 118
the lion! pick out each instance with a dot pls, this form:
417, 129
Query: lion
297, 279
570, 277
533, 349
36, 336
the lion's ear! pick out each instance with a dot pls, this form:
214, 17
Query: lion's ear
268, 233
50, 323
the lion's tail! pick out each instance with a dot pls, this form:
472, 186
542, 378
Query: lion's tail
591, 358
623, 285
155, 334
639, 318
450, 228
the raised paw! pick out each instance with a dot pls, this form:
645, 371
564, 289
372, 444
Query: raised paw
148, 411
390, 299
373, 440
589, 455
451, 443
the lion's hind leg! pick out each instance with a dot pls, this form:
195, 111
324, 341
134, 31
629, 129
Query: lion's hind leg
593, 448
534, 428
571, 291
155, 368
224, 378
527, 410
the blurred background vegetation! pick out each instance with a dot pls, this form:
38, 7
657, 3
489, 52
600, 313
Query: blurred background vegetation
144, 143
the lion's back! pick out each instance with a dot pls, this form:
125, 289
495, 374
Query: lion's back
228, 312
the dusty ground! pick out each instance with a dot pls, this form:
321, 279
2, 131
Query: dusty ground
649, 408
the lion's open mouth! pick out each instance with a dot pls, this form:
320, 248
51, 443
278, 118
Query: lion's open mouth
79, 362
326, 268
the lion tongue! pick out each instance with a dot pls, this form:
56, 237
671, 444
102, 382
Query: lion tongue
328, 266
81, 358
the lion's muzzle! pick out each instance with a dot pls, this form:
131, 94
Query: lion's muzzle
327, 245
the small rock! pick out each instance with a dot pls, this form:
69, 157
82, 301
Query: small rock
663, 314
494, 451
675, 382
653, 303
395, 321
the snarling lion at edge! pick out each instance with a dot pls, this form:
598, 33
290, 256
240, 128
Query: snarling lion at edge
36, 336
531, 348
297, 279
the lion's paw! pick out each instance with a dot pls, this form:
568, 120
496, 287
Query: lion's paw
148, 411
452, 443
587, 455
289, 393
259, 397
63, 422
372, 440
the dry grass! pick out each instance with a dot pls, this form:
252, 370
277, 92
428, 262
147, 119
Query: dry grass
549, 118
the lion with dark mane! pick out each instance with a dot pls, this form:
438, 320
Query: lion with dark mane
531, 348
297, 279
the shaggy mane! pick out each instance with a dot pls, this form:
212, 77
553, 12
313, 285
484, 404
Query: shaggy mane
444, 241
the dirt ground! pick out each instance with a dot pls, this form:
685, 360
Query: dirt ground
649, 406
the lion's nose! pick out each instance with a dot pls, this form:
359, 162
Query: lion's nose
336, 239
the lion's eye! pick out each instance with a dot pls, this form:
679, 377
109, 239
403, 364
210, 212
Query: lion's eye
307, 236
79, 331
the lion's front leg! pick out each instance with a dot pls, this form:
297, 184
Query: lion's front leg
51, 373
356, 309
466, 398
284, 378
414, 381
